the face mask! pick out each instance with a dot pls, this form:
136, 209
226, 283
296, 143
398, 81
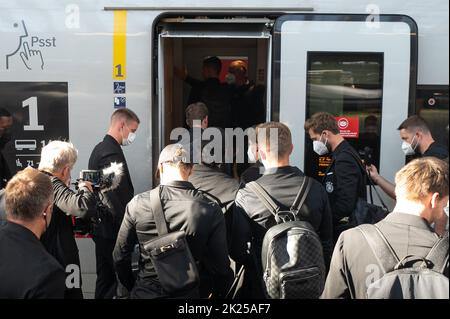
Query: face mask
320, 147
130, 139
408, 149
251, 156
230, 78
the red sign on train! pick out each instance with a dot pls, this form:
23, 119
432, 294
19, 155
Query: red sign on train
348, 126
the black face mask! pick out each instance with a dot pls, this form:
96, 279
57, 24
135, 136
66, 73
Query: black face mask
4, 139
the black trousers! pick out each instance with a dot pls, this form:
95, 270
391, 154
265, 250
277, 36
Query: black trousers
106, 284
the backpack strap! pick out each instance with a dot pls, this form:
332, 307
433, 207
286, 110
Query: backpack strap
158, 212
438, 254
385, 255
264, 197
302, 194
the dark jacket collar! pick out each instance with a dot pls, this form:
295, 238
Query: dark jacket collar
408, 219
179, 184
23, 231
344, 145
282, 170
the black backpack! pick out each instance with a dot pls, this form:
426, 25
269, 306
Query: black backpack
292, 257
399, 281
171, 257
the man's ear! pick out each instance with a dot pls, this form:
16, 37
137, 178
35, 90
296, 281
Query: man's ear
161, 169
435, 198
291, 149
66, 171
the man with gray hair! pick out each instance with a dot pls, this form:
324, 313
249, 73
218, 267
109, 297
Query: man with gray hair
27, 271
57, 161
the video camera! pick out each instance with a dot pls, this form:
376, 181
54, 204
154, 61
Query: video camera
108, 178
101, 180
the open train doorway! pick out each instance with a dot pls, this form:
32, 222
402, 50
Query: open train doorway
183, 45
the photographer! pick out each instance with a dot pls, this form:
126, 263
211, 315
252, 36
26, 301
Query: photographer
57, 161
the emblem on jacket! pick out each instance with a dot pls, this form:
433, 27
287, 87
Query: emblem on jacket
329, 187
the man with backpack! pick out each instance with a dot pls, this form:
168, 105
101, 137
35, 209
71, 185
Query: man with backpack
175, 206
401, 256
281, 185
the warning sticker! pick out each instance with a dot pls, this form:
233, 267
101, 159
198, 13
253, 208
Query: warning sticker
348, 126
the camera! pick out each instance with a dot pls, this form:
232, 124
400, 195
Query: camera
92, 176
107, 178
102, 181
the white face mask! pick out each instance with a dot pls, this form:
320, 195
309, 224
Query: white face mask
230, 78
251, 155
408, 149
130, 139
320, 147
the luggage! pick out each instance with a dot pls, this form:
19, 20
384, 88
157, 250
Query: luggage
401, 281
292, 257
171, 257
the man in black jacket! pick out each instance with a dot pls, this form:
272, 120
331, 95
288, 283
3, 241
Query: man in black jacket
422, 191
27, 270
57, 161
185, 209
122, 132
282, 182
216, 95
345, 180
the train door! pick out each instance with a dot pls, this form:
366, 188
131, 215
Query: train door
185, 43
360, 68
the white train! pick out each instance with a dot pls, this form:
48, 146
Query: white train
65, 66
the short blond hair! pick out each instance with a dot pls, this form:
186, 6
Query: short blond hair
56, 155
422, 177
276, 132
27, 194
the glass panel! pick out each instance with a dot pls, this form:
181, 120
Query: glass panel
350, 86
432, 105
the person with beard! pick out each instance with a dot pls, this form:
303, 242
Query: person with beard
6, 121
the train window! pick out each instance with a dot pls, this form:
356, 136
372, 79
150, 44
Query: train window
432, 105
350, 86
